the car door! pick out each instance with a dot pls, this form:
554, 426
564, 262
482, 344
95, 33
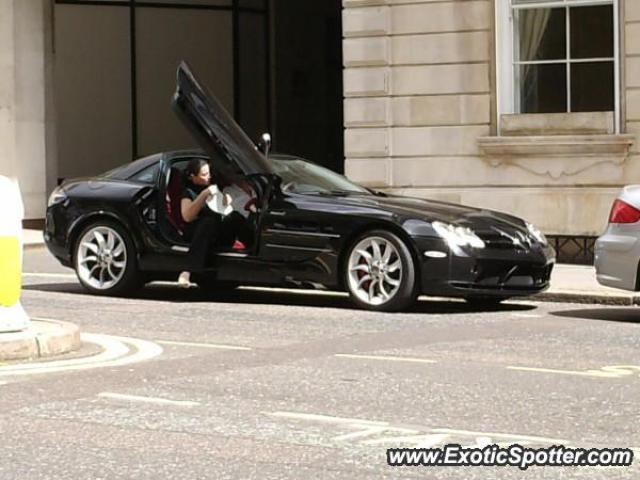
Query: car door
229, 148
299, 228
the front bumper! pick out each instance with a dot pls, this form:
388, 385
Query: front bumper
484, 272
55, 237
617, 253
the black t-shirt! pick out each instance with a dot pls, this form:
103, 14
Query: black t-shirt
191, 191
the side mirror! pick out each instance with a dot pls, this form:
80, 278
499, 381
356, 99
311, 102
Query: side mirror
264, 145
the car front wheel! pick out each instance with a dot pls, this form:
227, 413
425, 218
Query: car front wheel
105, 260
380, 273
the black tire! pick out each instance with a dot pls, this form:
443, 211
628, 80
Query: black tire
130, 278
406, 292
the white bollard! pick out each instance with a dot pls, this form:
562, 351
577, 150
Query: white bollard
13, 318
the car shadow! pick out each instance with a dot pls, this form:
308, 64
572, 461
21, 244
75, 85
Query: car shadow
302, 298
630, 314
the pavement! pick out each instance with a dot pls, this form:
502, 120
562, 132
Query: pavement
32, 238
569, 283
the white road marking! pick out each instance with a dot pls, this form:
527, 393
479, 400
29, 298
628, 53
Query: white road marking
377, 433
44, 319
526, 315
622, 370
386, 358
155, 400
3, 383
504, 436
562, 372
49, 275
612, 371
112, 349
203, 345
370, 431
115, 354
324, 418
418, 441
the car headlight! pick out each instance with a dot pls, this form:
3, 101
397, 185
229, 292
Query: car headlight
458, 236
536, 233
57, 196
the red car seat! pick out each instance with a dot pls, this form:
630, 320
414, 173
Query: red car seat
173, 198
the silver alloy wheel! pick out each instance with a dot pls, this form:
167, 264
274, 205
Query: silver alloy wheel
375, 270
101, 259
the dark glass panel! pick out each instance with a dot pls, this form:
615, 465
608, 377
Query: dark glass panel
542, 34
202, 38
592, 31
92, 89
543, 88
592, 87
198, 3
253, 56
252, 3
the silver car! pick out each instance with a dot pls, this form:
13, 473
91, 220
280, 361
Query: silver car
617, 252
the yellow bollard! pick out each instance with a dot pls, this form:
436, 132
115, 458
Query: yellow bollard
10, 271
12, 316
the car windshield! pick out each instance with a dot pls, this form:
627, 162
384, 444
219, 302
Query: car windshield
126, 171
301, 176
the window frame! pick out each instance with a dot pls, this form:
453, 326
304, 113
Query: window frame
507, 89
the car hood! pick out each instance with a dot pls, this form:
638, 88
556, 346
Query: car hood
228, 146
407, 208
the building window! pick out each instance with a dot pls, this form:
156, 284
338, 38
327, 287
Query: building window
558, 55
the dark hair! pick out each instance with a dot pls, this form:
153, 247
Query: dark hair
194, 166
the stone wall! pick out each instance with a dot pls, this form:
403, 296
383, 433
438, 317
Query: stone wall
421, 120
417, 88
631, 82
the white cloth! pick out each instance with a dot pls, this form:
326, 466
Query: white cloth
239, 199
231, 199
218, 203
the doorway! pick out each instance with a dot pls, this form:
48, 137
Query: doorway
307, 118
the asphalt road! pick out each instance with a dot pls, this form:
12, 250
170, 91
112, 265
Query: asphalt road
274, 384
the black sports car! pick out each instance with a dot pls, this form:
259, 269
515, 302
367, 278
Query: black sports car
313, 228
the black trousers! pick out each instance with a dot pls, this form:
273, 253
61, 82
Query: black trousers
214, 230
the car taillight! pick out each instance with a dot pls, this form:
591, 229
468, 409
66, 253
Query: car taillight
622, 212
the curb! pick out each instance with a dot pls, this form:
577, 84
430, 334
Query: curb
587, 298
44, 338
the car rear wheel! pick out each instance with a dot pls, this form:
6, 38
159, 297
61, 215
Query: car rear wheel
105, 260
380, 273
